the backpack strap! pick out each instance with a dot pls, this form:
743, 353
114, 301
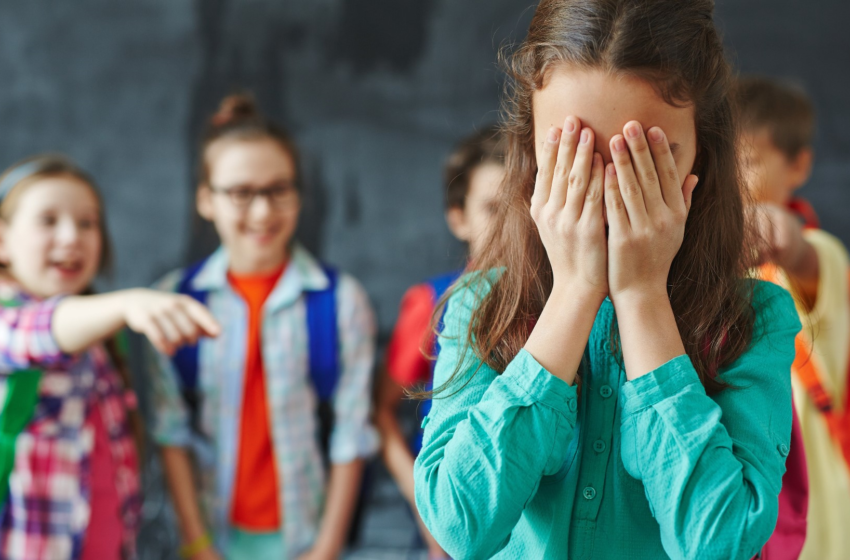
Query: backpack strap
805, 211
805, 370
185, 360
323, 336
18, 408
323, 353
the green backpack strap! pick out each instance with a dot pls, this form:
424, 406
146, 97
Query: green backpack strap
18, 408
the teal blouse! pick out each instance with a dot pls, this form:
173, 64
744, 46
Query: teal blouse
519, 465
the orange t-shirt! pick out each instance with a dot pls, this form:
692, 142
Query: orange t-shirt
255, 494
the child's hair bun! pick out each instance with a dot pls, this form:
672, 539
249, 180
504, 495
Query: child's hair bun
238, 107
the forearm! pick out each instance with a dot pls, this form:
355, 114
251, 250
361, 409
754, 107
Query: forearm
80, 321
560, 336
712, 498
343, 490
648, 332
181, 484
512, 430
394, 449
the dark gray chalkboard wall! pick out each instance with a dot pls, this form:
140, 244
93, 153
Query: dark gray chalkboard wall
376, 92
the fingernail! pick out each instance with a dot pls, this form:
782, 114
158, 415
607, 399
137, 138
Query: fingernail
697, 183
553, 135
619, 144
612, 171
656, 135
585, 136
633, 130
597, 159
569, 125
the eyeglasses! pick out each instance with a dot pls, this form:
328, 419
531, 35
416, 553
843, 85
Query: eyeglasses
280, 195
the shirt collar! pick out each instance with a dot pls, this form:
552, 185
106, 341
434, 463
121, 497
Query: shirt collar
303, 273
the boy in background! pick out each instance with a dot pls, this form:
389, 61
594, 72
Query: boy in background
777, 125
473, 175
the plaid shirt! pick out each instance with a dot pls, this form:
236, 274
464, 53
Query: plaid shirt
292, 402
47, 513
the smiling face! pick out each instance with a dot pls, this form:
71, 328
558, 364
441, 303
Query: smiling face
51, 242
605, 102
256, 236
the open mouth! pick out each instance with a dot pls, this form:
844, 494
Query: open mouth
68, 268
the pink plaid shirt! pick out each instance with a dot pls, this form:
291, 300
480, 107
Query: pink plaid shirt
47, 512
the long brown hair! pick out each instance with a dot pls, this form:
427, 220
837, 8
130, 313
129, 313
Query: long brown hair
675, 46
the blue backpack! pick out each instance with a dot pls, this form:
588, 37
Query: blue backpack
323, 340
440, 285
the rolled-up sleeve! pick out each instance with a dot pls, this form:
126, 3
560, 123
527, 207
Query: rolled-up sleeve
26, 337
488, 442
353, 435
712, 466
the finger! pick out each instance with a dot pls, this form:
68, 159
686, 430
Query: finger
545, 167
202, 317
570, 138
644, 166
189, 331
156, 337
593, 198
665, 165
691, 182
628, 186
615, 206
168, 329
579, 178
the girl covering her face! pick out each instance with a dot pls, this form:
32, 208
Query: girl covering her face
620, 267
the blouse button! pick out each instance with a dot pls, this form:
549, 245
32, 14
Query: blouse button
573, 406
606, 391
599, 446
783, 450
589, 493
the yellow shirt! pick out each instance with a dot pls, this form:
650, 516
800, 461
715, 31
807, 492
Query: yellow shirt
828, 326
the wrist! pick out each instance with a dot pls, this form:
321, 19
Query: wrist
195, 546
578, 294
325, 548
123, 300
192, 529
641, 299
